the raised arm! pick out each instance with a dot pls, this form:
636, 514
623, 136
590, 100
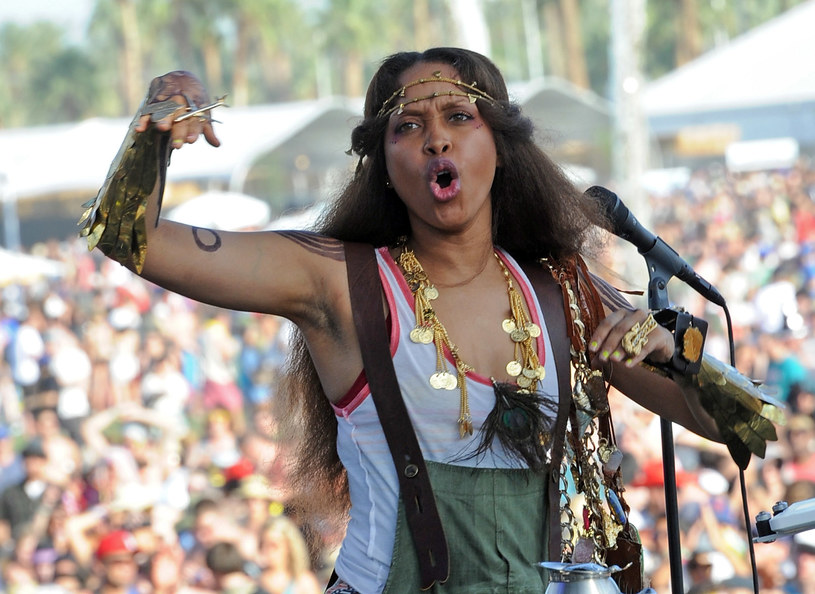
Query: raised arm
283, 274
294, 274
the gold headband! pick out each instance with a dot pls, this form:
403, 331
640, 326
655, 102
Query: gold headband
473, 94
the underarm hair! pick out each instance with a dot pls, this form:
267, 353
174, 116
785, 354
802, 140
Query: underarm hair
321, 245
206, 243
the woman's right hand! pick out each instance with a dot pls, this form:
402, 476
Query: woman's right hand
181, 87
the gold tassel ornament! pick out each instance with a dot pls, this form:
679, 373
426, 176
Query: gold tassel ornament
745, 412
114, 221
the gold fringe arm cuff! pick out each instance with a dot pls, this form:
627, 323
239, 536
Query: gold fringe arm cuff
114, 221
745, 412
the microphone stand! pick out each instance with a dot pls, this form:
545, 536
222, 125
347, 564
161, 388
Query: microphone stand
658, 300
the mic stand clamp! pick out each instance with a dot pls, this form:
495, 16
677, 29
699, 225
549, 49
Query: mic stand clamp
785, 519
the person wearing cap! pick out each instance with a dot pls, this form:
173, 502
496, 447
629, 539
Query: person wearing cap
117, 567
262, 501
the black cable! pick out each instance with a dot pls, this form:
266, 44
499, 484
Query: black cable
747, 521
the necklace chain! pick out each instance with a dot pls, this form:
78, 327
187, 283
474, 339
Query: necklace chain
525, 365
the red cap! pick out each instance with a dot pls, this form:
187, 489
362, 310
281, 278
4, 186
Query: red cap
652, 475
118, 542
241, 469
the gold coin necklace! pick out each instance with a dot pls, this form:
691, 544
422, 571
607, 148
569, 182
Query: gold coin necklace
525, 366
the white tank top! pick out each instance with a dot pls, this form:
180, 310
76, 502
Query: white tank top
365, 556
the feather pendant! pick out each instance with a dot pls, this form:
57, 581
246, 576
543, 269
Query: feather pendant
521, 421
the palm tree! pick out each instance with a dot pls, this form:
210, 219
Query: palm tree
689, 38
577, 70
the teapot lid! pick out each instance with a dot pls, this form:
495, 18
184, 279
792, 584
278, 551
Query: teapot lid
570, 572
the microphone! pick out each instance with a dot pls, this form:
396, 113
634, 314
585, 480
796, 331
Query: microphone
655, 250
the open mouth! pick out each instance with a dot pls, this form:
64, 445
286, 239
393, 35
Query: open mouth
444, 179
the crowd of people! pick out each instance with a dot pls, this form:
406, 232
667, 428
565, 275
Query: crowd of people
139, 449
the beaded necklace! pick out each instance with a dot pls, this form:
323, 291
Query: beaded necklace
525, 366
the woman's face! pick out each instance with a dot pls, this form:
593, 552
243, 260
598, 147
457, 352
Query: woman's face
275, 549
440, 155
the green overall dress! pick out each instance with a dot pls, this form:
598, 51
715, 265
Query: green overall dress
496, 525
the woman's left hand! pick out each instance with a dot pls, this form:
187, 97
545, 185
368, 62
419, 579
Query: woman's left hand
617, 339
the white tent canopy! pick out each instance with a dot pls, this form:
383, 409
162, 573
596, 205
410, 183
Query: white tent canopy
76, 157
769, 65
227, 211
18, 268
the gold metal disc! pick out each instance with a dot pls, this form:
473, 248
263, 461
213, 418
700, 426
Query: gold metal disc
437, 381
514, 368
533, 329
431, 292
450, 381
508, 325
519, 335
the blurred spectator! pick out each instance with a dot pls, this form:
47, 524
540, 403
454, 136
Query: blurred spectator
163, 386
117, 570
804, 556
212, 524
219, 447
61, 450
154, 389
68, 574
263, 351
19, 502
284, 559
220, 350
784, 368
700, 572
230, 571
163, 572
800, 465
262, 502
27, 350
12, 470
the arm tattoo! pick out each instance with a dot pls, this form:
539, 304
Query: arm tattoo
610, 296
210, 242
317, 244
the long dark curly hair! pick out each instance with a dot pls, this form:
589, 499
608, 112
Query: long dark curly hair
536, 212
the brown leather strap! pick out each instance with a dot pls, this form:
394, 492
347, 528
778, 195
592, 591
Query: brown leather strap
550, 299
417, 495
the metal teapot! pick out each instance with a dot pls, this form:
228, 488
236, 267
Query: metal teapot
583, 578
